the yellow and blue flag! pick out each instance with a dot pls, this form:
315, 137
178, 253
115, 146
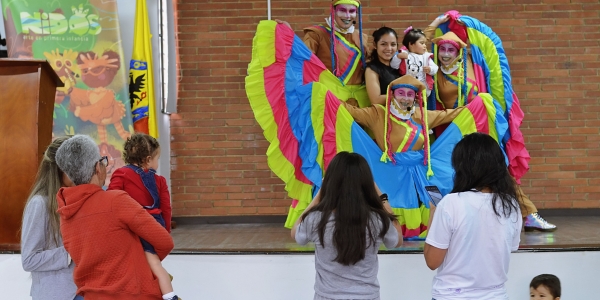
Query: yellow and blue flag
141, 79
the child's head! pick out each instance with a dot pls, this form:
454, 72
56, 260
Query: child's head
545, 286
348, 192
142, 150
414, 40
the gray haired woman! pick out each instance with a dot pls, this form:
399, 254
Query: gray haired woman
102, 229
42, 250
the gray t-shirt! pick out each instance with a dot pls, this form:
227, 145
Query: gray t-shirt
334, 280
51, 274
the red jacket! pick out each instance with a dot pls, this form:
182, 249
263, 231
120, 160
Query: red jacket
101, 231
126, 179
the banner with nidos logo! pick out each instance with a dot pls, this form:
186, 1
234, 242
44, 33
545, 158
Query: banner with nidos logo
81, 40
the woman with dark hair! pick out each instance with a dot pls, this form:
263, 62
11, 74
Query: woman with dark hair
476, 226
42, 250
348, 220
379, 74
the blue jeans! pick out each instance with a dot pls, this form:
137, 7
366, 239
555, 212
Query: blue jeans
78, 297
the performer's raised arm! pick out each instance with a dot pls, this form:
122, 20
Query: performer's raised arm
430, 30
364, 116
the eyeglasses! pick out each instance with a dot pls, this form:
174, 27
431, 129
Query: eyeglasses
104, 161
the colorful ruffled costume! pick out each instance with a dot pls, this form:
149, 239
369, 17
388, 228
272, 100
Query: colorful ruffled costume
485, 70
343, 52
306, 125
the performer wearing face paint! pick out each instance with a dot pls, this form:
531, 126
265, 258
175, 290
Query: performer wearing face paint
400, 125
455, 81
464, 73
341, 47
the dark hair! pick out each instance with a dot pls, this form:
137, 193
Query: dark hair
377, 34
412, 36
479, 163
138, 147
551, 282
349, 193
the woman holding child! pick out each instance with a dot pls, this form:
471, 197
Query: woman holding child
385, 62
379, 74
114, 224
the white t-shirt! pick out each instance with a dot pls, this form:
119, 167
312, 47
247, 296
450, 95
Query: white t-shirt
479, 245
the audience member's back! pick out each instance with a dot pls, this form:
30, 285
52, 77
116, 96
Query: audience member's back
348, 220
474, 229
101, 230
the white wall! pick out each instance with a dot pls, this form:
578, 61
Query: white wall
277, 277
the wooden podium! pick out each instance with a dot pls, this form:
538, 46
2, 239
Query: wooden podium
26, 108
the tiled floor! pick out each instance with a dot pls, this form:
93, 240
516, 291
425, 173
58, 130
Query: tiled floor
573, 233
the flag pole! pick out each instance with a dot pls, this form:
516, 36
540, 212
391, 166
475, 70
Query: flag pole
268, 9
164, 55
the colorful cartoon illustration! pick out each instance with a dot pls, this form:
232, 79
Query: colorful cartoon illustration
65, 66
81, 41
99, 105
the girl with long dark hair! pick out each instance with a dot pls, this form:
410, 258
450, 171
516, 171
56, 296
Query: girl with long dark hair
474, 228
348, 220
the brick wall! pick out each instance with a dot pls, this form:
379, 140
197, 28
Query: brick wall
218, 151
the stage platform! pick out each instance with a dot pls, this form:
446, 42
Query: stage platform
574, 233
261, 261
580, 233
